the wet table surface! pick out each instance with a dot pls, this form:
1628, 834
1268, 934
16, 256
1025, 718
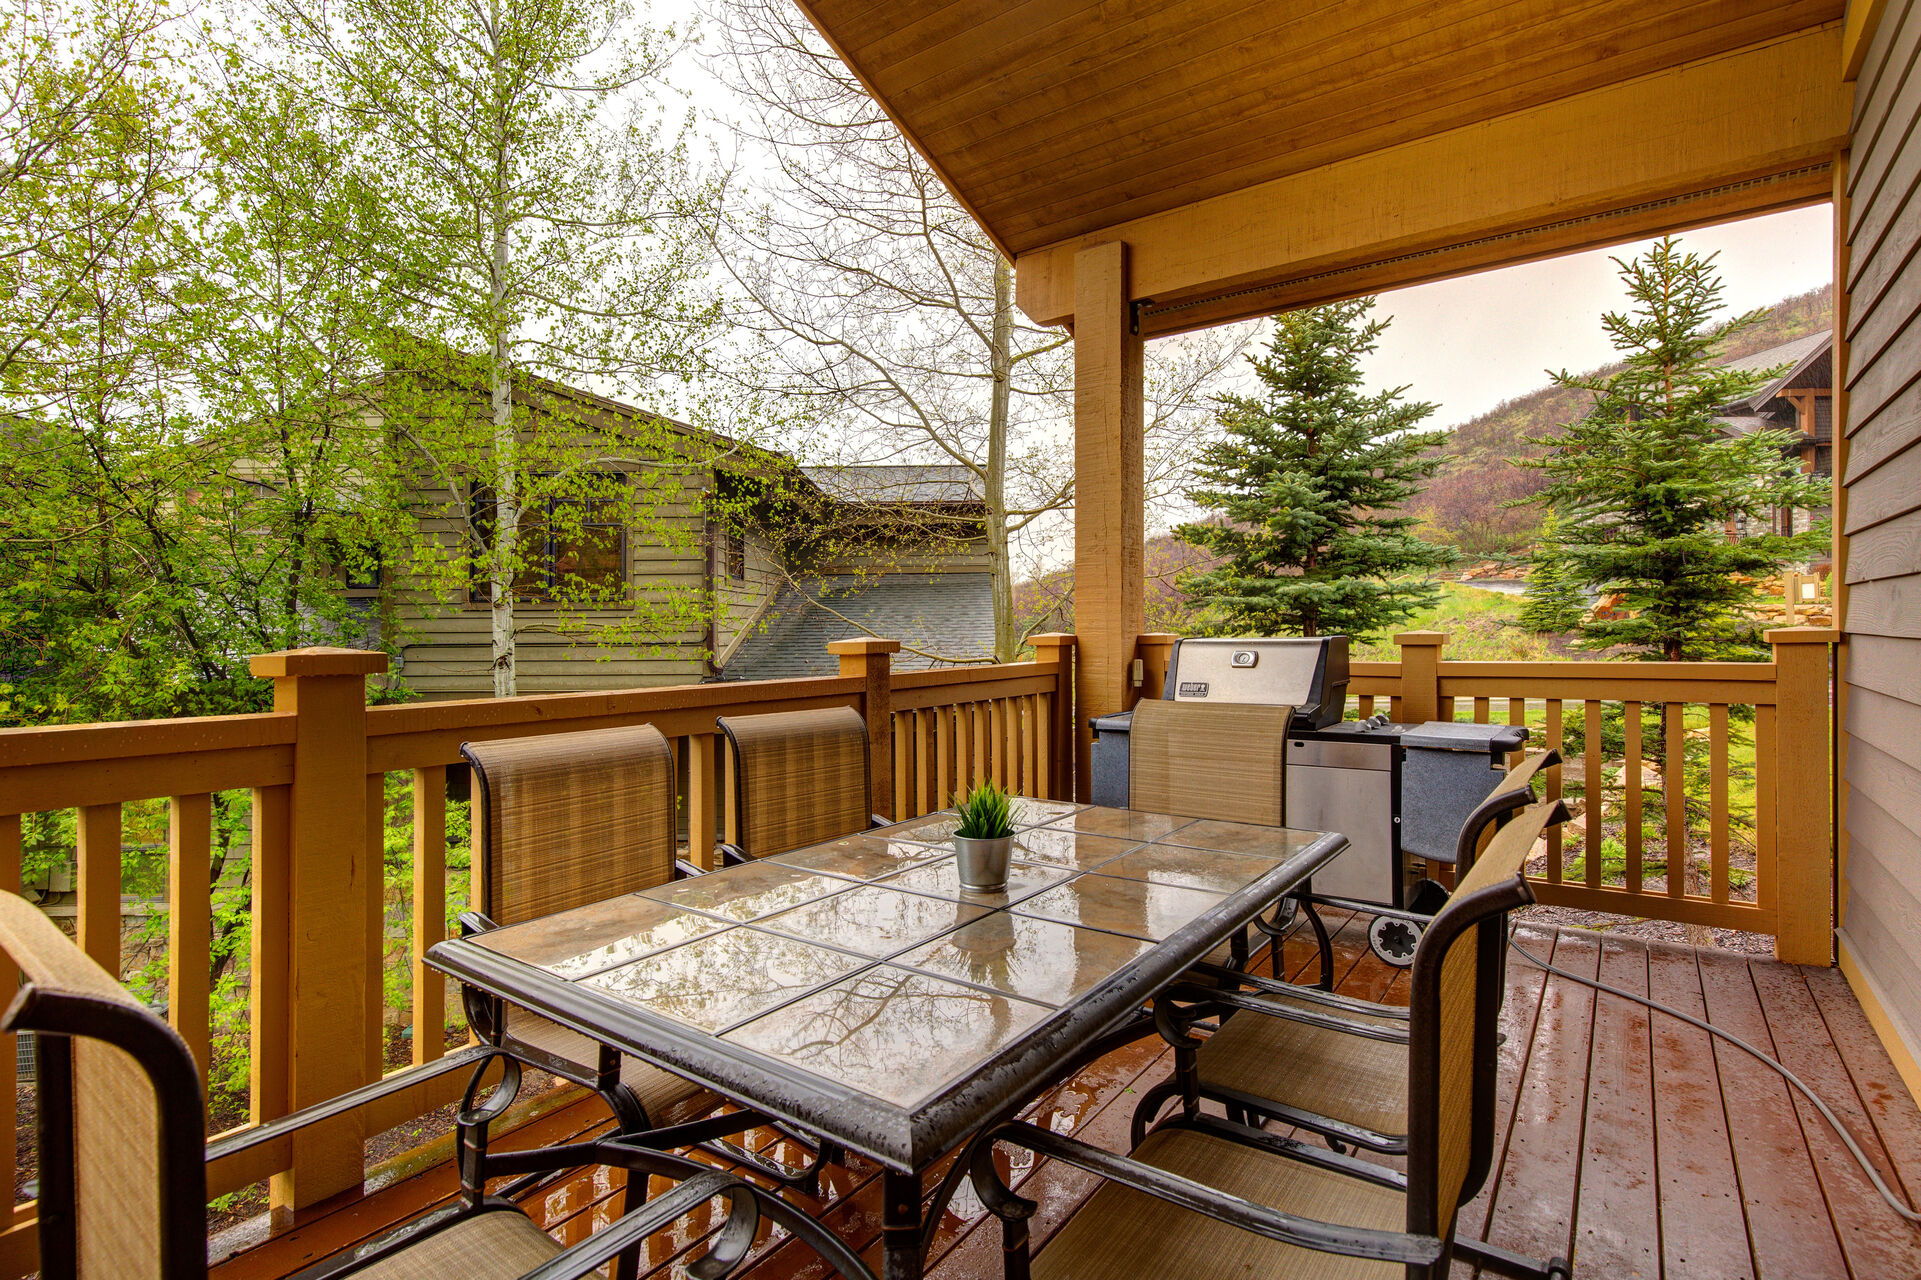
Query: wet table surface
852, 988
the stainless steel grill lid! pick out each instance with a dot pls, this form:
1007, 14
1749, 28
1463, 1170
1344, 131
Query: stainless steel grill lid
1308, 674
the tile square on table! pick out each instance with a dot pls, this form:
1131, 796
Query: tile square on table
1035, 959
749, 891
1122, 824
1061, 848
934, 829
860, 857
1137, 908
1210, 869
724, 978
600, 936
1031, 812
940, 878
891, 1033
1278, 843
872, 920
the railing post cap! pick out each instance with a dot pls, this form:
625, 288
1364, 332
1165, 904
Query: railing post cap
1802, 635
863, 645
1053, 640
1417, 638
320, 660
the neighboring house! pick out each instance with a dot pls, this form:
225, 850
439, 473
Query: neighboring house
893, 551
1800, 398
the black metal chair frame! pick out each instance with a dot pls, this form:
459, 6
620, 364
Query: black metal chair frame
58, 1016
1428, 1247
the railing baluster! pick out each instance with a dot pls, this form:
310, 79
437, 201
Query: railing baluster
1446, 707
1554, 741
9, 982
375, 1040
1517, 715
1765, 763
1591, 789
269, 996
430, 910
190, 922
1366, 705
943, 757
926, 777
700, 799
996, 743
1674, 785
1631, 795
903, 782
1481, 711
99, 884
1718, 801
1030, 745
1044, 744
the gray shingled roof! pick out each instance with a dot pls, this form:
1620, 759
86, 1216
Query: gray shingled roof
948, 483
951, 614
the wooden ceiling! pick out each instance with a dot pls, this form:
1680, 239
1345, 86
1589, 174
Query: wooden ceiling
1054, 118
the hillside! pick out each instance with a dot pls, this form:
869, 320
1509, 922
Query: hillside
1462, 505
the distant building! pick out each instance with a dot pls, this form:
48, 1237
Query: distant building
1799, 399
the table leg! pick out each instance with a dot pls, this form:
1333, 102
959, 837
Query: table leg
900, 1226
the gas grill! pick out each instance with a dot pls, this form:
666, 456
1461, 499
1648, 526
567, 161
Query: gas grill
1396, 791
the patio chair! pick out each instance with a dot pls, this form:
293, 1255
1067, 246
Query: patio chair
799, 778
1331, 1065
565, 820
122, 1159
1202, 1198
1226, 762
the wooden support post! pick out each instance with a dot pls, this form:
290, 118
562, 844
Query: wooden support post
1109, 491
872, 660
328, 886
1058, 647
1803, 833
98, 881
700, 800
1156, 652
1420, 675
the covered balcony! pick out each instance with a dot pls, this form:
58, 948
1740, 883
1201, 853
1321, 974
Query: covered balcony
1150, 173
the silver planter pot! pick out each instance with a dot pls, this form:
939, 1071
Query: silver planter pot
983, 863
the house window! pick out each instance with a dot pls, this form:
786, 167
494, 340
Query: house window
730, 553
571, 548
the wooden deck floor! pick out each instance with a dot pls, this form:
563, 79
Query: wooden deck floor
1632, 1142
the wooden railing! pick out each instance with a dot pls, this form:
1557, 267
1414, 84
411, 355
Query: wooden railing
1731, 759
317, 768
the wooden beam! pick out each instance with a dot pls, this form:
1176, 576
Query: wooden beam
1857, 33
1109, 490
1681, 147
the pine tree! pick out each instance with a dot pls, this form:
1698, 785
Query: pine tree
1309, 480
1553, 602
1648, 483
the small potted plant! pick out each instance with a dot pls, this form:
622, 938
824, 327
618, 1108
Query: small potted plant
984, 840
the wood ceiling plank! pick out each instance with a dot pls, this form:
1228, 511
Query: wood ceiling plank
1241, 142
956, 34
1671, 134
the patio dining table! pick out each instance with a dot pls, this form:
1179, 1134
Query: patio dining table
854, 991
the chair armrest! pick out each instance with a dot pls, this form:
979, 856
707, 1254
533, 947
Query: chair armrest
472, 922
662, 1211
1308, 995
684, 869
1212, 997
732, 855
875, 822
273, 1130
1288, 1228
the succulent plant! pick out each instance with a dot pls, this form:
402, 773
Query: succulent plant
985, 814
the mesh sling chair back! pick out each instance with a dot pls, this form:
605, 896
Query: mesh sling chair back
1324, 1062
121, 1149
1203, 1198
1223, 761
799, 778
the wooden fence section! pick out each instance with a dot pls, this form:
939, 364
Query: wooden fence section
1690, 735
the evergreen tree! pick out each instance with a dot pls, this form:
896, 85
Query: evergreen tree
1309, 480
1553, 602
1648, 483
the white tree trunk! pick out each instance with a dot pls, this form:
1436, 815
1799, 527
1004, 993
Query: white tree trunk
505, 559
1007, 638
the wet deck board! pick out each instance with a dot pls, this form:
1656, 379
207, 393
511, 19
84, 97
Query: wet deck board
1637, 1141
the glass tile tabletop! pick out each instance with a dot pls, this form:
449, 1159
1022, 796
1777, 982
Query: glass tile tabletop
1068, 848
891, 1033
750, 891
872, 920
727, 977
862, 857
1124, 824
1040, 960
1208, 869
592, 938
1241, 837
941, 878
1136, 908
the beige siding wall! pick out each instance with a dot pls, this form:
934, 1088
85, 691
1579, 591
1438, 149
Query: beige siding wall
450, 652
738, 604
1881, 919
